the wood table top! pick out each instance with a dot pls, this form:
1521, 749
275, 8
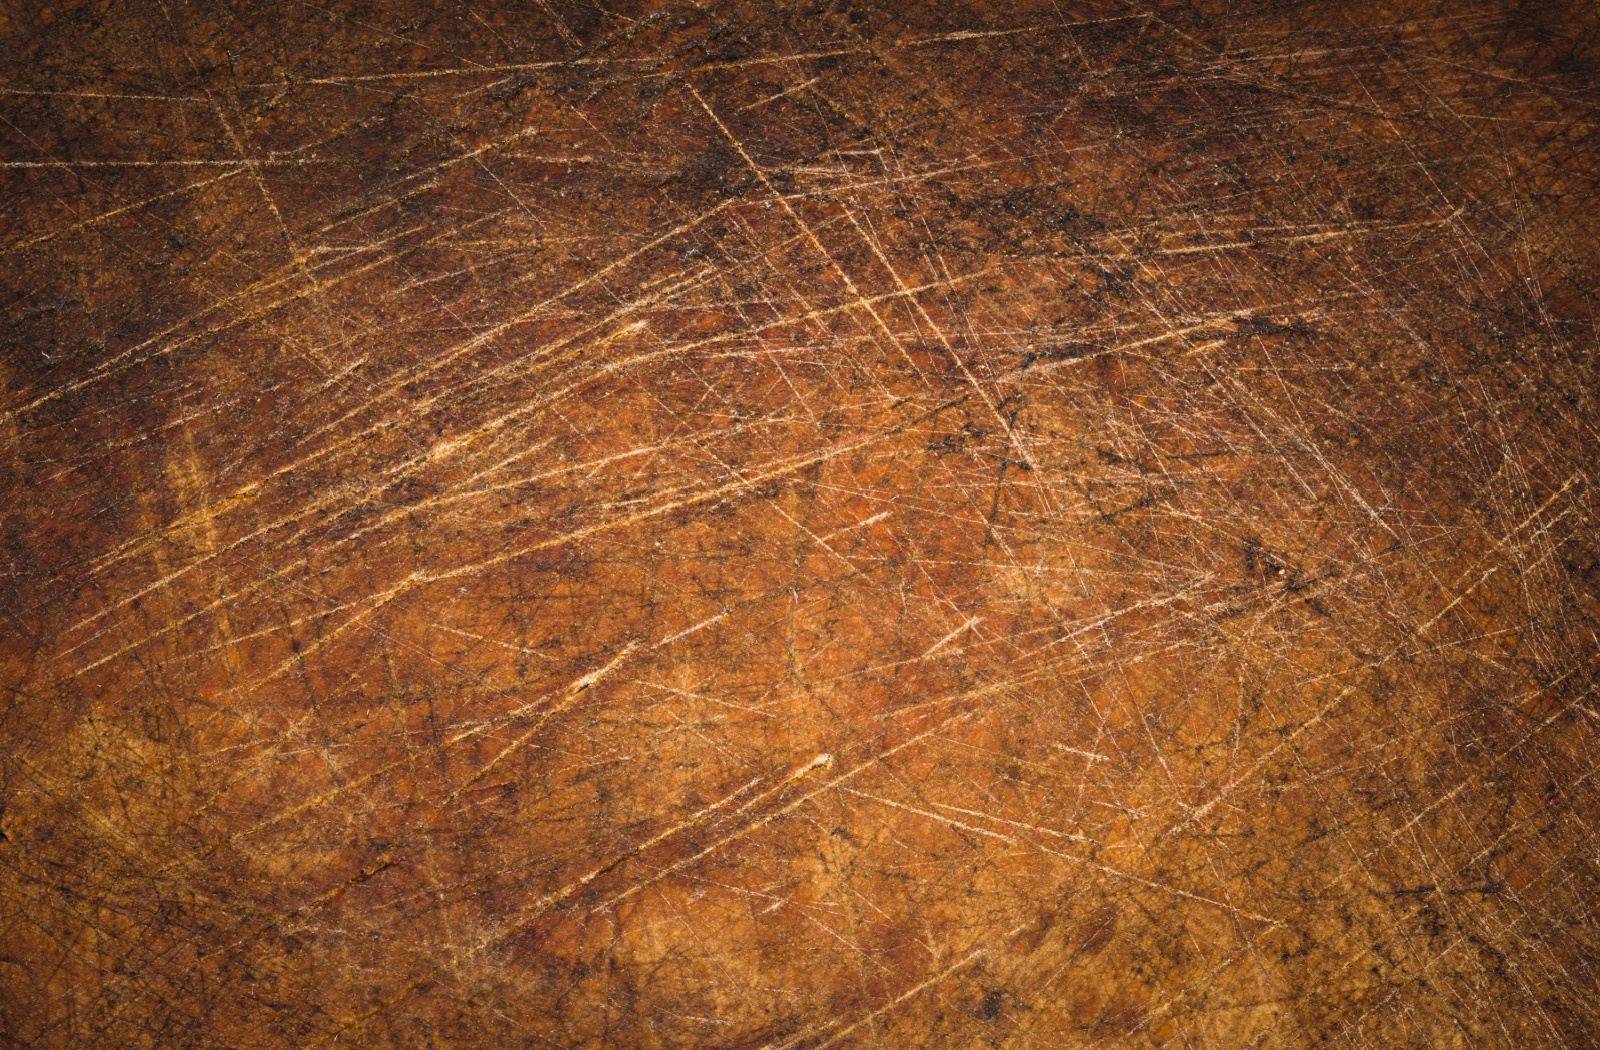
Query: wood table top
800, 524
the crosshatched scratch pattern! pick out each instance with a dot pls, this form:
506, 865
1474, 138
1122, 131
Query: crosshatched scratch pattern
802, 524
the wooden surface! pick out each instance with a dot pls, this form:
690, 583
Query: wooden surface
797, 525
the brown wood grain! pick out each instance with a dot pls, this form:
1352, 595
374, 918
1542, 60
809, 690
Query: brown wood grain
799, 524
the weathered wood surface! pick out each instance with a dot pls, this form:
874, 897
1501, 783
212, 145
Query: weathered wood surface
797, 525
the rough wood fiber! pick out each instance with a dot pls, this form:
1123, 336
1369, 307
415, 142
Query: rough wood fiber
799, 525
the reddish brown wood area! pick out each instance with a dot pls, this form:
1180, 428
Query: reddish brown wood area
799, 524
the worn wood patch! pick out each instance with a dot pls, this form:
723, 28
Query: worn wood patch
798, 525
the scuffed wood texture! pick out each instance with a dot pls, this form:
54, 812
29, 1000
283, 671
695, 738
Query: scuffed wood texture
799, 525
